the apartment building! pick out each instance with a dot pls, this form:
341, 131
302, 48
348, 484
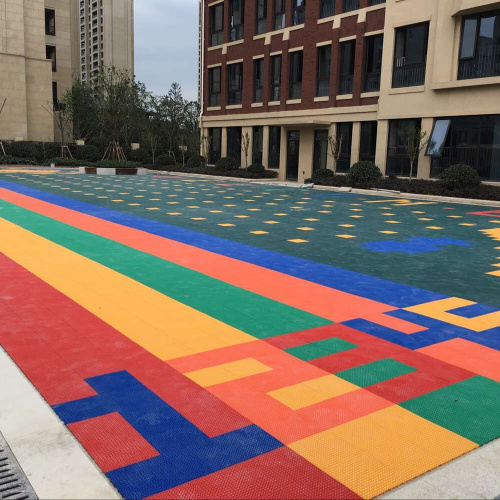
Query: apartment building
103, 35
292, 73
44, 44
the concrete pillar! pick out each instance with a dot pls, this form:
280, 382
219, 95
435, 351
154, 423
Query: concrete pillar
249, 131
332, 132
223, 143
424, 162
265, 146
355, 142
306, 154
382, 142
283, 153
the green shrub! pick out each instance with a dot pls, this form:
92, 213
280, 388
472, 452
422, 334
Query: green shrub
12, 160
115, 164
47, 150
226, 164
322, 173
140, 156
67, 162
22, 149
460, 177
363, 174
165, 160
256, 168
196, 161
86, 153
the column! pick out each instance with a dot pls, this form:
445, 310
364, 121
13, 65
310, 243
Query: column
332, 132
382, 142
223, 146
424, 162
355, 142
283, 152
306, 152
244, 132
265, 146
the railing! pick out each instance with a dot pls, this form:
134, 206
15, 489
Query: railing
372, 82
327, 8
234, 97
376, 2
295, 90
398, 163
351, 5
485, 160
485, 64
346, 84
236, 33
408, 75
214, 100
323, 88
216, 38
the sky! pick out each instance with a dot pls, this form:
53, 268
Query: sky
166, 45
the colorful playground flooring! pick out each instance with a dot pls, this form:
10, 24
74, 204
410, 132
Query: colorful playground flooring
211, 339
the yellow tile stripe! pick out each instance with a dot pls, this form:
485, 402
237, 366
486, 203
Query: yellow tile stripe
166, 328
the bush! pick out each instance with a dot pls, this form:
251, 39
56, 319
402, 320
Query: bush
460, 177
67, 162
23, 149
226, 164
47, 150
12, 160
196, 161
140, 156
86, 153
256, 168
364, 174
165, 160
322, 173
115, 164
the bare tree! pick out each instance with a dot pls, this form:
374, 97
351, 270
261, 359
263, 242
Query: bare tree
414, 140
335, 146
181, 141
63, 119
245, 147
2, 150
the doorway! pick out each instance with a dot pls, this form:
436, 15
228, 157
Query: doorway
292, 161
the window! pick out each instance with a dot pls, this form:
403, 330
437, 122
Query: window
438, 137
257, 144
258, 74
320, 149
323, 71
214, 83
261, 17
217, 24
410, 56
215, 138
397, 156
55, 98
235, 82
295, 75
351, 5
480, 48
327, 8
373, 69
274, 147
298, 12
279, 14
50, 22
236, 17
344, 131
234, 143
50, 53
276, 78
368, 141
347, 52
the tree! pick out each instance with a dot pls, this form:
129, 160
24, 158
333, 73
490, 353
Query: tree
414, 141
205, 147
335, 145
245, 147
2, 150
63, 119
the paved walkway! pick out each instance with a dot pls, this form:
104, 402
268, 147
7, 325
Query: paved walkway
214, 339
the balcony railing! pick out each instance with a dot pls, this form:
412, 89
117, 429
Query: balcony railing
485, 64
351, 5
376, 2
216, 38
236, 33
296, 90
485, 160
346, 84
323, 88
408, 75
372, 82
327, 8
398, 163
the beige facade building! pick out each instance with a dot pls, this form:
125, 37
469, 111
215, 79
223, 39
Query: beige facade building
40, 54
291, 74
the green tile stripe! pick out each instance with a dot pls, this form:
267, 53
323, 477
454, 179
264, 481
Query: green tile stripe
320, 348
470, 408
376, 372
249, 312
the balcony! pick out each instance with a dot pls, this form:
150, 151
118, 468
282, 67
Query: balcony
346, 84
372, 82
486, 63
408, 75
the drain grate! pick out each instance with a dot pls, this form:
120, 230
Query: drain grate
14, 484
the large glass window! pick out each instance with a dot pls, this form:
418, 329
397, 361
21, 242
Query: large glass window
298, 12
274, 147
276, 78
236, 18
234, 143
327, 8
480, 47
214, 83
320, 149
470, 140
50, 22
215, 138
344, 131
368, 141
261, 16
258, 70
323, 71
410, 55
373, 69
279, 14
295, 75
217, 24
398, 162
347, 54
235, 83
50, 53
257, 144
